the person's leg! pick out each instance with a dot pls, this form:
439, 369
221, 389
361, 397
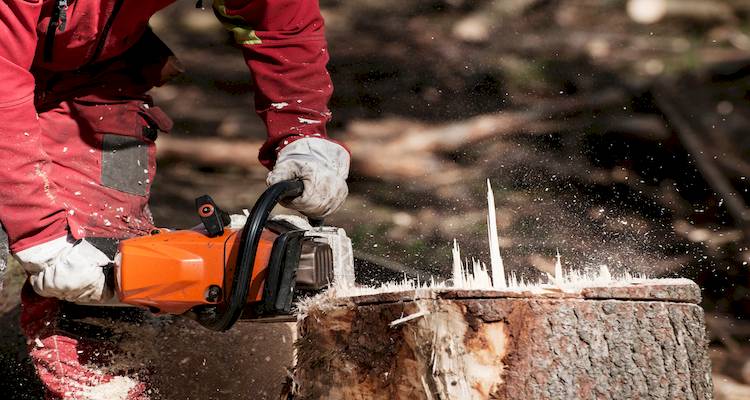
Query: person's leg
73, 365
104, 165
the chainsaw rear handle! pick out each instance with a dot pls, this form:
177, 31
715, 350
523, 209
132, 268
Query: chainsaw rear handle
223, 319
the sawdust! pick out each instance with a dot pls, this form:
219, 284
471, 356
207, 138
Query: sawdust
175, 358
477, 278
42, 174
138, 343
117, 388
475, 275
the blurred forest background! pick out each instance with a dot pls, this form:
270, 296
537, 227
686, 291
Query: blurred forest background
613, 131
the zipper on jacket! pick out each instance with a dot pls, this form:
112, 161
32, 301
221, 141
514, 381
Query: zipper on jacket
105, 32
57, 22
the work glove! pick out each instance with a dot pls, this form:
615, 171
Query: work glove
323, 167
66, 269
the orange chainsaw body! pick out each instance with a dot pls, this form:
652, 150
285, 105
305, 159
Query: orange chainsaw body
174, 271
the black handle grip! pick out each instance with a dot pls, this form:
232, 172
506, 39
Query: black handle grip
223, 319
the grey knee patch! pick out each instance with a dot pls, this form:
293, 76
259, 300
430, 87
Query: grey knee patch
125, 164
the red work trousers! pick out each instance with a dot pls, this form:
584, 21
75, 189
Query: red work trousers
104, 165
100, 131
75, 361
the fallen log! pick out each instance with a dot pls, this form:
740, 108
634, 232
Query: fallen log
643, 341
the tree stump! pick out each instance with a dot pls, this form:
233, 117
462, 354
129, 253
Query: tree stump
642, 340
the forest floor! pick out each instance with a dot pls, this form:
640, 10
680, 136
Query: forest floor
583, 151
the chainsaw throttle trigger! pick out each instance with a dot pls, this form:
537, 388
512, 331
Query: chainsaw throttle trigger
214, 219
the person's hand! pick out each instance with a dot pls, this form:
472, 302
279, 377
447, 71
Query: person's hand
323, 167
71, 271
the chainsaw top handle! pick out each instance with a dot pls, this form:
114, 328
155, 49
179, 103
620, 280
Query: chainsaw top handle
223, 319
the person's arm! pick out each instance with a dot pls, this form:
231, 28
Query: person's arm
284, 45
28, 208
29, 211
285, 48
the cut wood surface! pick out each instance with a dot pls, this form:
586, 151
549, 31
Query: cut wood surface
448, 344
674, 290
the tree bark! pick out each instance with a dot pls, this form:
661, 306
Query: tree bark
629, 342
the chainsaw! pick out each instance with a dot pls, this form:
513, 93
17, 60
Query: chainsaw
218, 272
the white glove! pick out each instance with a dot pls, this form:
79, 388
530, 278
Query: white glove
294, 220
323, 167
66, 270
238, 221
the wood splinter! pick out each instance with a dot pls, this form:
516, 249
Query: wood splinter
407, 318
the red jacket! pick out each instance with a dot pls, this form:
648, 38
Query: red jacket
282, 41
